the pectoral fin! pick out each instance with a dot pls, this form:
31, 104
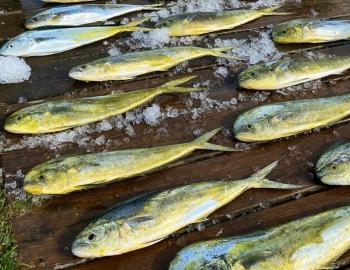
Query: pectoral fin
252, 259
135, 221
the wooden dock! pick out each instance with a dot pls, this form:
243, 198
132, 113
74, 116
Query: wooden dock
45, 234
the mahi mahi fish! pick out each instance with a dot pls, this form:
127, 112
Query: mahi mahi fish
205, 22
128, 66
285, 73
333, 167
76, 15
147, 219
283, 119
311, 243
311, 31
67, 174
52, 116
52, 41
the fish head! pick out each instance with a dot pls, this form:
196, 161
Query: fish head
257, 124
18, 46
333, 167
36, 21
84, 72
23, 122
52, 177
258, 77
288, 32
40, 20
98, 239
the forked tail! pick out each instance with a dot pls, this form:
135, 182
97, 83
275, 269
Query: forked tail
172, 86
132, 26
271, 11
258, 180
219, 52
202, 142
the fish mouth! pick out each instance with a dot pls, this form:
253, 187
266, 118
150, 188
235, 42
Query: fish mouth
33, 188
3, 51
12, 128
245, 137
79, 250
77, 73
29, 25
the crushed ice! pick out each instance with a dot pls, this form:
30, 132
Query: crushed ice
13, 70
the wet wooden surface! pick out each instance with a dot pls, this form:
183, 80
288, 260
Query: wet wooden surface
45, 234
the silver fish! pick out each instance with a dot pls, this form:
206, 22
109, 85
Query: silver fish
52, 41
75, 15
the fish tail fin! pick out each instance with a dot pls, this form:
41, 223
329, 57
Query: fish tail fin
153, 7
219, 52
258, 180
133, 26
172, 86
202, 142
271, 11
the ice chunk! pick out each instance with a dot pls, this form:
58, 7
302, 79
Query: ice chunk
13, 70
153, 39
152, 114
113, 51
257, 49
221, 72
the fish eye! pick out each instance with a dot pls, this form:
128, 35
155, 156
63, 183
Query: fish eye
334, 167
11, 46
41, 177
250, 126
91, 236
284, 32
19, 117
252, 73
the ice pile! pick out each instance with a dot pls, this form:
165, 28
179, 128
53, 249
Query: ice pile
13, 70
153, 39
257, 49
